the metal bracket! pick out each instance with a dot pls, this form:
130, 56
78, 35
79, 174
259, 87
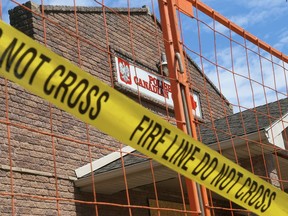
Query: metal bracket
180, 64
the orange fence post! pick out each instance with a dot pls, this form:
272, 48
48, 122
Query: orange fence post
181, 92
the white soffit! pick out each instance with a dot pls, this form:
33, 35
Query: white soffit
101, 162
274, 132
136, 175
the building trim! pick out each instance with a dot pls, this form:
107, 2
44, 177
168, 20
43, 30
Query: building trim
101, 162
274, 132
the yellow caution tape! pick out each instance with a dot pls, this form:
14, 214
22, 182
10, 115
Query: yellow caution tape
60, 82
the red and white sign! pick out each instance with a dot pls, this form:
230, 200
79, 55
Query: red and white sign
124, 71
147, 83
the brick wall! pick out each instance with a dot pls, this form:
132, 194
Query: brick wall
42, 142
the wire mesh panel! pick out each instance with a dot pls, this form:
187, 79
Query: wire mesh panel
54, 164
253, 78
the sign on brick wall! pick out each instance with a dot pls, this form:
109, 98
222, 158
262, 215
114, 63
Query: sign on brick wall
146, 83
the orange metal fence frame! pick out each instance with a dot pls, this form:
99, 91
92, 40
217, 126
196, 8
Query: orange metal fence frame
181, 91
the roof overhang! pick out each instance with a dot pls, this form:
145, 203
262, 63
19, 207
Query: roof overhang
135, 176
256, 143
263, 141
140, 174
101, 162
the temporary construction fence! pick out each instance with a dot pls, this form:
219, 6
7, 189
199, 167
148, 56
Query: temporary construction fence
194, 69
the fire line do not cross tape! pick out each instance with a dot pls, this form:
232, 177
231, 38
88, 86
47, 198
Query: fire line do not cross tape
44, 73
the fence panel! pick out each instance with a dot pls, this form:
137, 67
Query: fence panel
54, 164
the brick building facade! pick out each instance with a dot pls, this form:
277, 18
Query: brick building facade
42, 146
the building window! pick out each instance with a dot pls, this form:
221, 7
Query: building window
197, 110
